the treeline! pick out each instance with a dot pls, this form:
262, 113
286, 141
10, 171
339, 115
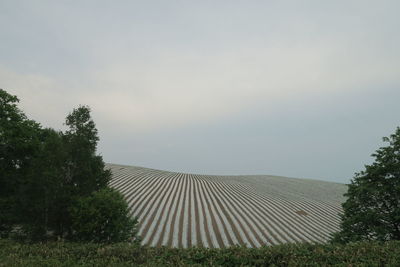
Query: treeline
53, 184
78, 254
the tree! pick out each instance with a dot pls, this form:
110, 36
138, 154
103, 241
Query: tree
41, 193
85, 169
103, 217
94, 212
18, 145
372, 208
45, 173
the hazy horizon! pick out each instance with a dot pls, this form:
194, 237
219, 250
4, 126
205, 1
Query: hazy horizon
283, 88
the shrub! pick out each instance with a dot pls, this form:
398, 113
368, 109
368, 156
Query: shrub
103, 217
92, 254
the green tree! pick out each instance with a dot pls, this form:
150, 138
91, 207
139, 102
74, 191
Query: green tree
103, 217
19, 143
42, 192
85, 170
45, 173
372, 208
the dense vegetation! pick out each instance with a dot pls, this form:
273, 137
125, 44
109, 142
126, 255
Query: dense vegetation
372, 208
78, 254
49, 178
103, 217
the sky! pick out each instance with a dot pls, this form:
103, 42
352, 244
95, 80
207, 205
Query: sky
302, 89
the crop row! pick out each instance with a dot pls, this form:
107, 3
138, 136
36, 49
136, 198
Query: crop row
184, 210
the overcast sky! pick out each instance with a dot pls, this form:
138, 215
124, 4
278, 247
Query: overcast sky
292, 88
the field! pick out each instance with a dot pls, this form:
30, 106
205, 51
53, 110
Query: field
185, 210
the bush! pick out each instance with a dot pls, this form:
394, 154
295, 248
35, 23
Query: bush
103, 217
92, 254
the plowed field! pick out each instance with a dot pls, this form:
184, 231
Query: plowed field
183, 210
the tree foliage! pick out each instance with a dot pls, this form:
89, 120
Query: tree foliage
85, 169
43, 172
18, 145
41, 190
372, 208
103, 217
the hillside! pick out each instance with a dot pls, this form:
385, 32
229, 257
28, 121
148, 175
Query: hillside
183, 210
